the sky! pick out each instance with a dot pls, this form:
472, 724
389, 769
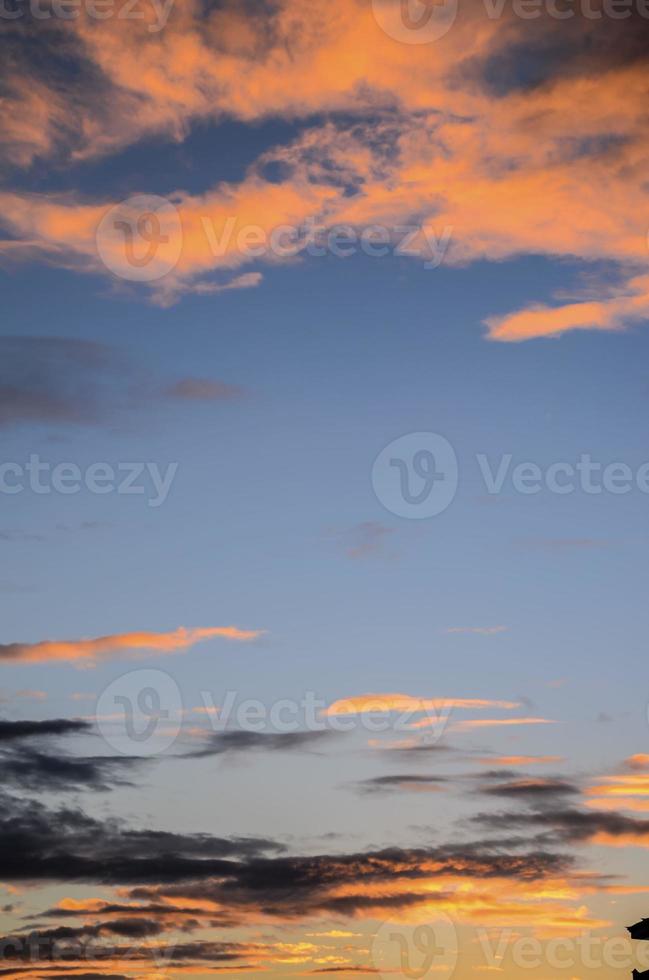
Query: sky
324, 483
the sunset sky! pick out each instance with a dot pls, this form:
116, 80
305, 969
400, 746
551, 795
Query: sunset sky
324, 488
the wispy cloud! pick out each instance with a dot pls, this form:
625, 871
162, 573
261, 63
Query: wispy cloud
385, 703
366, 540
26, 694
55, 379
240, 741
623, 791
546, 321
521, 760
120, 644
403, 784
67, 381
530, 788
471, 723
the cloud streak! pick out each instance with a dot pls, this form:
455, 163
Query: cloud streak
406, 703
473, 723
129, 645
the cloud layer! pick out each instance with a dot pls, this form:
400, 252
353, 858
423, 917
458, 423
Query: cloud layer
519, 137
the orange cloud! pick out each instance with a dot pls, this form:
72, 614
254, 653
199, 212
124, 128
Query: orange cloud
544, 321
498, 722
621, 786
615, 793
386, 703
630, 803
517, 173
92, 650
522, 760
543, 906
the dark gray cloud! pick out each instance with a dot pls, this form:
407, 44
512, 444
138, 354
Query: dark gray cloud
37, 768
568, 825
10, 731
239, 741
34, 771
61, 973
343, 969
547, 48
405, 783
48, 949
241, 875
53, 379
39, 843
526, 787
416, 750
61, 380
294, 886
28, 762
114, 908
